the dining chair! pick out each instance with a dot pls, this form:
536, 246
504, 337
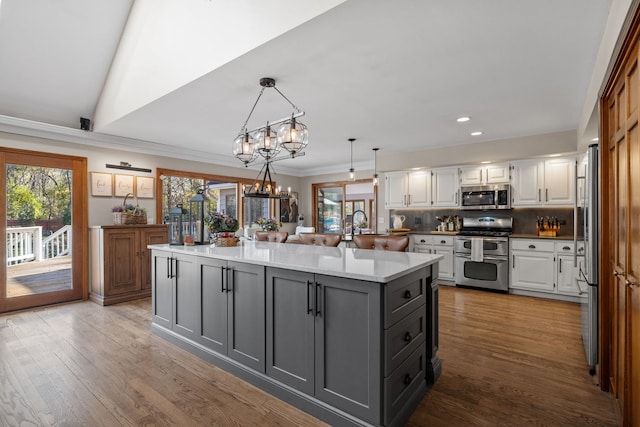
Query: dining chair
271, 236
387, 243
320, 239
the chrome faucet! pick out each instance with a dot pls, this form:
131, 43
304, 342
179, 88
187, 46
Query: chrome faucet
353, 224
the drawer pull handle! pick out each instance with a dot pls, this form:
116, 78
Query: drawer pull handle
443, 241
566, 248
407, 294
407, 379
423, 241
532, 246
408, 337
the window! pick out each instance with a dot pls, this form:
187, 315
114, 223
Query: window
222, 194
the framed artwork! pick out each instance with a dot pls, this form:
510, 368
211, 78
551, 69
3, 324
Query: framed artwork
144, 187
289, 208
122, 185
101, 184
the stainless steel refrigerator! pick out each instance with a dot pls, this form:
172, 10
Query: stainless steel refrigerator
586, 232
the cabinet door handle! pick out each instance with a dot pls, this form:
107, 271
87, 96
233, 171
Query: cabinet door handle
168, 268
309, 308
560, 264
317, 299
532, 246
513, 263
175, 271
407, 294
546, 194
222, 289
539, 195
404, 200
407, 379
408, 337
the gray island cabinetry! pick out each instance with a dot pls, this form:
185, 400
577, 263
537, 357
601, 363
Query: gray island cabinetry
348, 335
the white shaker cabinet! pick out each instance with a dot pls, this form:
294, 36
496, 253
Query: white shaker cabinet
440, 245
545, 266
408, 189
544, 183
445, 188
498, 173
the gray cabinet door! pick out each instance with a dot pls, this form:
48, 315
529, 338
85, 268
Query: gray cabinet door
290, 328
246, 314
186, 316
348, 330
162, 301
213, 288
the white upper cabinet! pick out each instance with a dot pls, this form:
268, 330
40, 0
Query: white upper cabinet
419, 192
395, 190
407, 189
528, 180
544, 183
445, 187
560, 181
487, 174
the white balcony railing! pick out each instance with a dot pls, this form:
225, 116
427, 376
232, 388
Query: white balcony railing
25, 244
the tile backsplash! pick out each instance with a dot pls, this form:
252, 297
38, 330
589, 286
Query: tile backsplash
524, 219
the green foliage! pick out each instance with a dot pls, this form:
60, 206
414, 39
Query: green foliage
23, 205
38, 193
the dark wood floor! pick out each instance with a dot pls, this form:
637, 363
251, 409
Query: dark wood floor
507, 361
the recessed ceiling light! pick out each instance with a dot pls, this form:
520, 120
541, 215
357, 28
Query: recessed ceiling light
595, 139
463, 119
476, 133
486, 162
555, 155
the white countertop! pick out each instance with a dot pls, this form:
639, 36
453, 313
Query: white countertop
361, 264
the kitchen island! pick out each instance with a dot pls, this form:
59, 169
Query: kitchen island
347, 335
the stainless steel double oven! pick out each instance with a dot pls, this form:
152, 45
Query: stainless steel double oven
482, 253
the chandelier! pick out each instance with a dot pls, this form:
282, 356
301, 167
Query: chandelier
267, 142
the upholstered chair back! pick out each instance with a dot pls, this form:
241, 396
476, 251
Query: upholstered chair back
319, 239
271, 236
387, 243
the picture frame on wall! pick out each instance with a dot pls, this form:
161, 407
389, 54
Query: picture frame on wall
101, 184
289, 208
122, 185
145, 187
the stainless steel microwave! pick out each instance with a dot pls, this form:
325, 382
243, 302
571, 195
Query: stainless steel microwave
486, 197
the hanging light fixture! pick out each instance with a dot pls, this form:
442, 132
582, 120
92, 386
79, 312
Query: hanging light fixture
375, 166
291, 134
352, 173
265, 141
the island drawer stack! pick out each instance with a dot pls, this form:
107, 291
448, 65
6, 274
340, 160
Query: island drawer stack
404, 341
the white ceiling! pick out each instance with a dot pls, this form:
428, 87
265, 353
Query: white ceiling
393, 74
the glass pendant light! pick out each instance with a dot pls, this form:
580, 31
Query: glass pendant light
267, 143
375, 166
293, 136
244, 148
352, 172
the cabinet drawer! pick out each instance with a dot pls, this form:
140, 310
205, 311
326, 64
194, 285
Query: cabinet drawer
565, 247
403, 382
403, 338
537, 245
442, 240
421, 239
404, 296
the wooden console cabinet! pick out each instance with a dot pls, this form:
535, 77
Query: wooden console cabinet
121, 262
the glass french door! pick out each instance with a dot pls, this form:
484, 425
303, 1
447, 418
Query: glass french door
44, 221
329, 203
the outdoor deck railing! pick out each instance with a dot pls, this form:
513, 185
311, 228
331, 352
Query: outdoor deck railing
25, 244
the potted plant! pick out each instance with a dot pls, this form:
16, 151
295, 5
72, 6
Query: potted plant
269, 224
222, 228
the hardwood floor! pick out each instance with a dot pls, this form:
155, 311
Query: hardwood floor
507, 360
38, 277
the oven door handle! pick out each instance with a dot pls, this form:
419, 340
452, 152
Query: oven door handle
489, 257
